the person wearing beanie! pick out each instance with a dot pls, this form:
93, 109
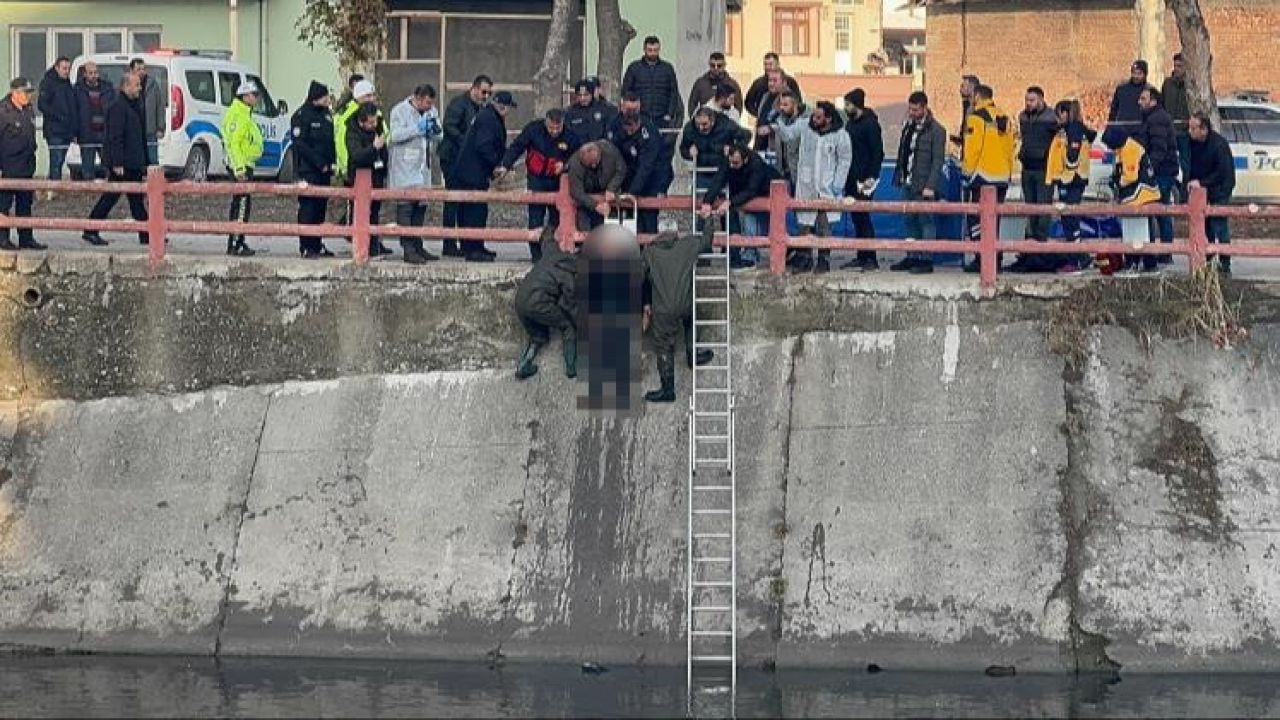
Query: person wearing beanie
867, 142
315, 157
18, 159
1125, 112
362, 92
589, 116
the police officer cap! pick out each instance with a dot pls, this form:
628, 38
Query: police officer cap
248, 87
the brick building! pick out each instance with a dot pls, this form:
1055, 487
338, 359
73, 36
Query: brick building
1083, 48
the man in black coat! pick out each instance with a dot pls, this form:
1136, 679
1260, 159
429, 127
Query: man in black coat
712, 84
1038, 125
760, 86
478, 162
1126, 114
458, 116
316, 156
747, 177
1213, 168
646, 152
59, 107
18, 159
589, 116
1157, 137
867, 143
124, 154
93, 97
654, 81
367, 149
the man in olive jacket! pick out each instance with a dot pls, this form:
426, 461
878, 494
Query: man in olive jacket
597, 168
668, 292
546, 300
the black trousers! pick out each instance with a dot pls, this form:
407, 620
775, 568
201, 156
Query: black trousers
411, 214
20, 201
862, 226
312, 211
241, 209
137, 202
473, 215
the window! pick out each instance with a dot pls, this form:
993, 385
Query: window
144, 40
200, 83
111, 41
793, 28
36, 47
1263, 125
228, 82
33, 55
68, 44
733, 45
266, 107
842, 33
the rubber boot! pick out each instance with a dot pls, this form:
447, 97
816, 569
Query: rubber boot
667, 374
570, 340
526, 368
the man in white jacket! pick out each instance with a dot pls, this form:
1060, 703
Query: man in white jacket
821, 171
415, 131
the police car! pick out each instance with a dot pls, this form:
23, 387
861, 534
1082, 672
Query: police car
198, 87
1251, 125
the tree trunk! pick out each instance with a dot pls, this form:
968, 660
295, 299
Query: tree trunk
550, 78
1197, 55
613, 34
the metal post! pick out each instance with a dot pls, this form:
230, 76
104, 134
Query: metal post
156, 225
778, 197
568, 226
989, 223
360, 208
1197, 215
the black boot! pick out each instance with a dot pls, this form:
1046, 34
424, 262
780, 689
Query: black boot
667, 374
570, 340
526, 368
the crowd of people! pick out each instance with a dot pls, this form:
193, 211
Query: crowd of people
609, 151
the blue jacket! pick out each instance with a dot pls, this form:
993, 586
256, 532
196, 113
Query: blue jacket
481, 151
646, 152
545, 156
590, 123
59, 105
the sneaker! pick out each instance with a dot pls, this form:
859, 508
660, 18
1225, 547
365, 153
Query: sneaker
801, 263
905, 265
452, 250
822, 266
241, 250
93, 238
739, 263
413, 257
861, 265
31, 244
479, 257
973, 266
378, 249
920, 268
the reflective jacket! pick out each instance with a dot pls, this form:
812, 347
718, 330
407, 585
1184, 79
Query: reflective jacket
988, 144
1069, 160
340, 126
241, 138
1134, 181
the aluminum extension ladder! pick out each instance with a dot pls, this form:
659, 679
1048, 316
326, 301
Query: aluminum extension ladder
711, 584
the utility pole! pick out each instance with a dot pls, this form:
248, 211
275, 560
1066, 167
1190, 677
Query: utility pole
233, 18
1152, 43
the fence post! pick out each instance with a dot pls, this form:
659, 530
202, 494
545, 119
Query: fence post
568, 212
360, 207
989, 222
1197, 216
157, 225
778, 197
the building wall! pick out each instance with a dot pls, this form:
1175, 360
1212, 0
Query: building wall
1083, 48
758, 37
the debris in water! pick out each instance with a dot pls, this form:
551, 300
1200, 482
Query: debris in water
874, 668
590, 668
1001, 671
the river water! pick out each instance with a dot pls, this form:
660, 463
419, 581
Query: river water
186, 687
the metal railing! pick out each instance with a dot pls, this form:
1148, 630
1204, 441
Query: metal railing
988, 209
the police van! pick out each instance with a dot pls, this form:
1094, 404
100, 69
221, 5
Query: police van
198, 87
1251, 126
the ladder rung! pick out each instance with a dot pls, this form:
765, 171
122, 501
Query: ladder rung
711, 658
712, 300
711, 391
712, 583
712, 461
712, 344
712, 511
712, 633
710, 414
712, 536
711, 438
711, 323
712, 608
713, 559
710, 488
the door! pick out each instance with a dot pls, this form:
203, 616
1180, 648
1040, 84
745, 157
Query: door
1261, 154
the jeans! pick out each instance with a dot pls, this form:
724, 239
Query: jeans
919, 226
153, 152
21, 202
88, 163
57, 156
750, 224
137, 201
1219, 231
1036, 192
1168, 189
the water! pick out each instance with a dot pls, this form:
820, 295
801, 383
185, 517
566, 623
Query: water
185, 687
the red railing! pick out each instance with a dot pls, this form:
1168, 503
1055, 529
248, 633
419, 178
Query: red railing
988, 209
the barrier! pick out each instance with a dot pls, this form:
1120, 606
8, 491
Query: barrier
778, 203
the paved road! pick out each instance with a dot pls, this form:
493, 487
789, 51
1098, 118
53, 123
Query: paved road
515, 253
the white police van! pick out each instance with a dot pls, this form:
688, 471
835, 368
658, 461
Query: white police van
198, 87
1251, 126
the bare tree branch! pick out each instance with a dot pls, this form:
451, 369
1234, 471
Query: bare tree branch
550, 78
